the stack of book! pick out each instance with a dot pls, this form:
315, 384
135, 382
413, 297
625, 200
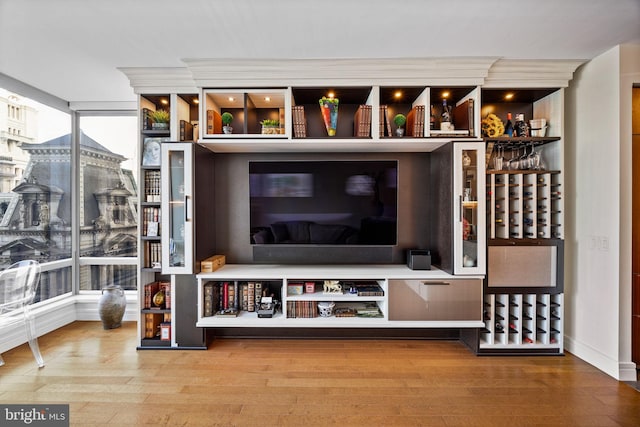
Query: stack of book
368, 289
415, 122
362, 122
299, 122
385, 123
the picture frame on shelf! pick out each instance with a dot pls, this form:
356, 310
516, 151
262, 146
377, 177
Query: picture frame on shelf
151, 151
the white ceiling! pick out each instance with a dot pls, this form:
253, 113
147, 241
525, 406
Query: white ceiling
72, 48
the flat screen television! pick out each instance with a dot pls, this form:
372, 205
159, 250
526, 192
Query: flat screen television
324, 202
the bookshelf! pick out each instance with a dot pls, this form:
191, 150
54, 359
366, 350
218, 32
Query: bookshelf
474, 85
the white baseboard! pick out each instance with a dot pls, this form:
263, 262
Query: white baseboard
621, 371
55, 315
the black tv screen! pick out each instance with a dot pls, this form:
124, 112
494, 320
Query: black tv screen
328, 202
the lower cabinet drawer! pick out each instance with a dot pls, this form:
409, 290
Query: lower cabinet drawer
455, 299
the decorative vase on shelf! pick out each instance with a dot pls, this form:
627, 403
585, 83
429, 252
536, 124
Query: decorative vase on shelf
111, 306
227, 129
329, 109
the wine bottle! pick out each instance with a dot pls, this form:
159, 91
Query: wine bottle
446, 115
520, 128
508, 128
432, 119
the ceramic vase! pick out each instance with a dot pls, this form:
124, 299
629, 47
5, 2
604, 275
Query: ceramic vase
111, 306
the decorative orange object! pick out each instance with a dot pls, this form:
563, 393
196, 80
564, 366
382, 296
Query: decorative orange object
466, 229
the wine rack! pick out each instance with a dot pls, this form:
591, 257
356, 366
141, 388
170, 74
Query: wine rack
524, 204
523, 321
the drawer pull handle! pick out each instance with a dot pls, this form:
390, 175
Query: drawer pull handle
436, 283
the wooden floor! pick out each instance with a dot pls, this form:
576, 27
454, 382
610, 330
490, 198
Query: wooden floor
244, 382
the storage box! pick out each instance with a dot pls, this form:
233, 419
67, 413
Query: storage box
309, 287
419, 259
211, 264
165, 331
294, 289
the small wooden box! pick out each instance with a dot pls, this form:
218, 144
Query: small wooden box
211, 264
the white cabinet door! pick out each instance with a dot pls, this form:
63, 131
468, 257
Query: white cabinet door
469, 200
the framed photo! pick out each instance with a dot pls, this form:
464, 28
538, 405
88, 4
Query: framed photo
151, 151
152, 229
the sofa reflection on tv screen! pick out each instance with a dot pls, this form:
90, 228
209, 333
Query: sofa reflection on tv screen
373, 231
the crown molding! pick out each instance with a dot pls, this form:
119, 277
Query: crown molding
487, 72
160, 79
340, 71
531, 73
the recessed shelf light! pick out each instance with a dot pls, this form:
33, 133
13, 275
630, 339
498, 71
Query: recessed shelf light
397, 94
266, 98
331, 95
508, 96
164, 101
445, 94
231, 98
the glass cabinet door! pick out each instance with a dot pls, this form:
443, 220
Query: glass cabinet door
469, 216
177, 212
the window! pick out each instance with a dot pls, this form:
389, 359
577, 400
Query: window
35, 193
108, 200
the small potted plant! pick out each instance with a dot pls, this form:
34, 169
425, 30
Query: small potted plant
160, 120
227, 118
270, 127
400, 120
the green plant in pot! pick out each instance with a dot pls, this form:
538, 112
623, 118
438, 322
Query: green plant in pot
160, 119
400, 120
270, 126
227, 118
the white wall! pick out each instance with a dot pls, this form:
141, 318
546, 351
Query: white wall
598, 288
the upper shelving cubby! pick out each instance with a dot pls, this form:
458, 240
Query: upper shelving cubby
187, 108
149, 104
248, 109
542, 109
459, 105
344, 111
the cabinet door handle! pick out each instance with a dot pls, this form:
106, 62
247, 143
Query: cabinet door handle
186, 208
460, 209
435, 283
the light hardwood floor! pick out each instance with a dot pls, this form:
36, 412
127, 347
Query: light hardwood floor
256, 382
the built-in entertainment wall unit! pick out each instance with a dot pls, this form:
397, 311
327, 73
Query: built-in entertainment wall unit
290, 193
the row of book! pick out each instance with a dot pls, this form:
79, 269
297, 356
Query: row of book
214, 122
302, 309
299, 122
362, 122
145, 119
150, 221
385, 122
152, 186
152, 254
186, 131
150, 291
228, 298
153, 322
415, 122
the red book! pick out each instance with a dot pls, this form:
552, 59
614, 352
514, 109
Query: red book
225, 296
